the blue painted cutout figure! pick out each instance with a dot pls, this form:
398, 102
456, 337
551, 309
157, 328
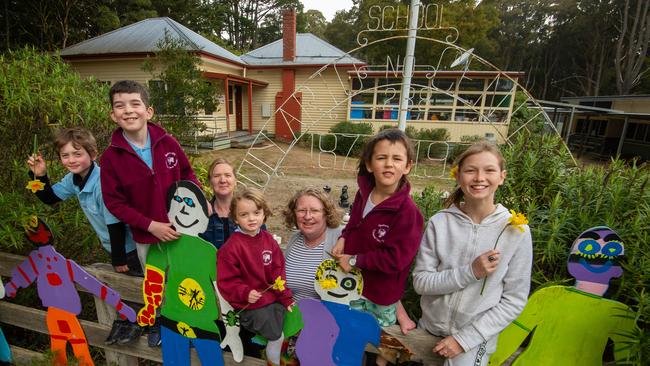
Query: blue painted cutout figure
334, 333
570, 325
5, 351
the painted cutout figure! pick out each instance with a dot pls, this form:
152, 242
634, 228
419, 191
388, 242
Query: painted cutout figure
334, 333
190, 311
55, 278
5, 351
571, 324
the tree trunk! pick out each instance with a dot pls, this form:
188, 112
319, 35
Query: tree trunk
630, 57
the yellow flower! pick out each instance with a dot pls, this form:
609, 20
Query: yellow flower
328, 283
279, 284
35, 185
518, 220
453, 173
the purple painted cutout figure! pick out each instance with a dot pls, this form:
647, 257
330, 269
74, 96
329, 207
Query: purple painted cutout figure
55, 278
335, 334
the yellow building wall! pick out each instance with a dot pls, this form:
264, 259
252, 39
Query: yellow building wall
633, 105
112, 70
265, 95
324, 99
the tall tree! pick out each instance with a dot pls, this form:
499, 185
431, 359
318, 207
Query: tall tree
632, 44
244, 18
178, 90
342, 31
315, 23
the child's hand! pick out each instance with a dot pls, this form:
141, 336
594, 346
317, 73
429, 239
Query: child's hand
290, 307
338, 248
163, 231
405, 322
253, 296
344, 262
448, 347
121, 269
37, 165
485, 264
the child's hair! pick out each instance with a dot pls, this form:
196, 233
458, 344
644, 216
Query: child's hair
200, 197
129, 86
254, 195
393, 135
219, 161
79, 137
476, 148
333, 216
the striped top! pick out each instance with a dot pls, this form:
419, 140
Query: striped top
301, 265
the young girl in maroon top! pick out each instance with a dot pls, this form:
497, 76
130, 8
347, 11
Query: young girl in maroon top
385, 228
249, 261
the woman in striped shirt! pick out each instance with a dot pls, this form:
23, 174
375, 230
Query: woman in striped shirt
318, 221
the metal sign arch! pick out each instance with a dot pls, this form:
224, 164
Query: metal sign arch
261, 164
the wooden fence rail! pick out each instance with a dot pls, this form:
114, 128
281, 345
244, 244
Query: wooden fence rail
130, 289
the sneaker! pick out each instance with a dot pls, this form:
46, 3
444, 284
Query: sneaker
130, 333
153, 339
116, 329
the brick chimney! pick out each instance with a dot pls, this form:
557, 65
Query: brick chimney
288, 120
289, 35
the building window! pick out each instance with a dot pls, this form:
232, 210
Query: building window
461, 99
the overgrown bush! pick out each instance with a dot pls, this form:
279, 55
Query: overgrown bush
561, 200
40, 93
346, 141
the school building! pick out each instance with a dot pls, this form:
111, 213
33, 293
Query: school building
604, 126
257, 83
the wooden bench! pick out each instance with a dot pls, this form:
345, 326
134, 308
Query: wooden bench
418, 341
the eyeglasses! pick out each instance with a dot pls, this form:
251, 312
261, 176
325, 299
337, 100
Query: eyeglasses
313, 211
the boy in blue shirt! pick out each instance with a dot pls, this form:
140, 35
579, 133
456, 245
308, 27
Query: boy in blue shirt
78, 150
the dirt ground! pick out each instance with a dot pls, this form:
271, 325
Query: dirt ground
301, 168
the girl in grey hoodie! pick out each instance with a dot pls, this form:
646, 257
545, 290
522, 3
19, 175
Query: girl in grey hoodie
457, 255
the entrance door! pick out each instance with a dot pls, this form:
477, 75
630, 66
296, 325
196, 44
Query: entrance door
238, 107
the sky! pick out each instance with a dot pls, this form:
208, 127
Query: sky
327, 7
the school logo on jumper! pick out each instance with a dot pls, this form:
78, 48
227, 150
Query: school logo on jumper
171, 160
379, 232
266, 257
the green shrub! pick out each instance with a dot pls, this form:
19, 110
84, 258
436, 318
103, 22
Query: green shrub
346, 142
562, 200
38, 94
178, 90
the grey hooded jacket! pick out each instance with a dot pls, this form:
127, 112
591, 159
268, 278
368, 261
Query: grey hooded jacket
451, 301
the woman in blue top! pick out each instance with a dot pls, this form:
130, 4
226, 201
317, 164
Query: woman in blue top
223, 181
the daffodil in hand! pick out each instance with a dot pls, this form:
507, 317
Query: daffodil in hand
516, 220
453, 172
278, 284
35, 185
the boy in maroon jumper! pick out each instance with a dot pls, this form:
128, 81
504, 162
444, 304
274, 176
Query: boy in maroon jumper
138, 167
248, 265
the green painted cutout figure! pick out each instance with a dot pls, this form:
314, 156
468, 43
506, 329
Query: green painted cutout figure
570, 325
185, 271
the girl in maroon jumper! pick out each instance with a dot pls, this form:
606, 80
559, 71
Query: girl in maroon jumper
246, 264
385, 228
